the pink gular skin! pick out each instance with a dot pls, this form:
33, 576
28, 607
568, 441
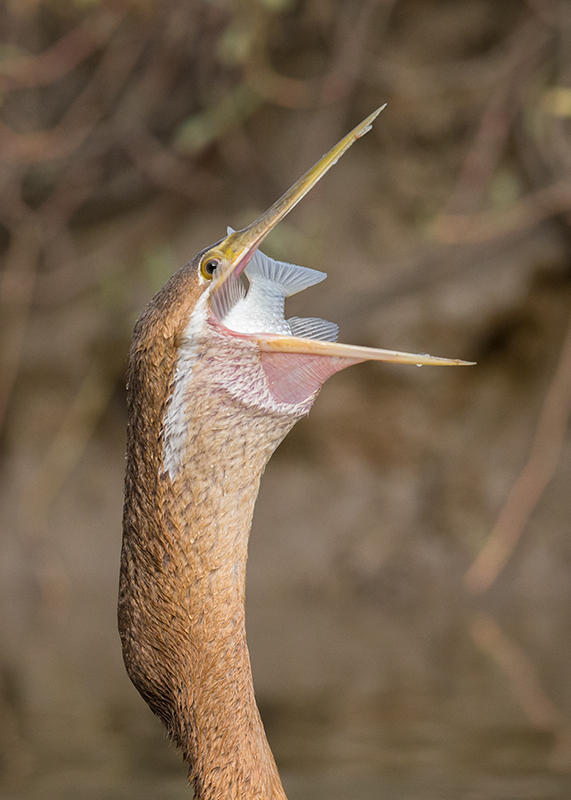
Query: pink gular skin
292, 377
295, 377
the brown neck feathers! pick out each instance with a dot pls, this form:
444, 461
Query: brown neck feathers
183, 571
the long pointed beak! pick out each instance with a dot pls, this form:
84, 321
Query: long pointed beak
351, 352
239, 246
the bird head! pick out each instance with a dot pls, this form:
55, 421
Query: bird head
234, 338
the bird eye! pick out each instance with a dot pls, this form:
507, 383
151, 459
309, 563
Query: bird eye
208, 268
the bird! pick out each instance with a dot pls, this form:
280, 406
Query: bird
217, 377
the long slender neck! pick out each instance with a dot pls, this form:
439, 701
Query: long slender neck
221, 731
181, 608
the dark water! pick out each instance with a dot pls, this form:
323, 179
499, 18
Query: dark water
334, 781
485, 719
360, 758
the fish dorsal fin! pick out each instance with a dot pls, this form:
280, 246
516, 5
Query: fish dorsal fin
290, 278
313, 328
261, 309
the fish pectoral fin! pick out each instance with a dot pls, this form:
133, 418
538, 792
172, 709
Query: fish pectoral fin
313, 328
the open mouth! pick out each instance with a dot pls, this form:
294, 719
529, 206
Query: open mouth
258, 310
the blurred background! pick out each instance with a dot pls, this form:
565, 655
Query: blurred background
409, 601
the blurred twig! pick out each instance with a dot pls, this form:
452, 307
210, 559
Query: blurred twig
524, 684
67, 446
353, 32
532, 480
483, 226
27, 71
495, 124
16, 290
81, 116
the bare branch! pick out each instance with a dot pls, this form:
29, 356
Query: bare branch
531, 482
